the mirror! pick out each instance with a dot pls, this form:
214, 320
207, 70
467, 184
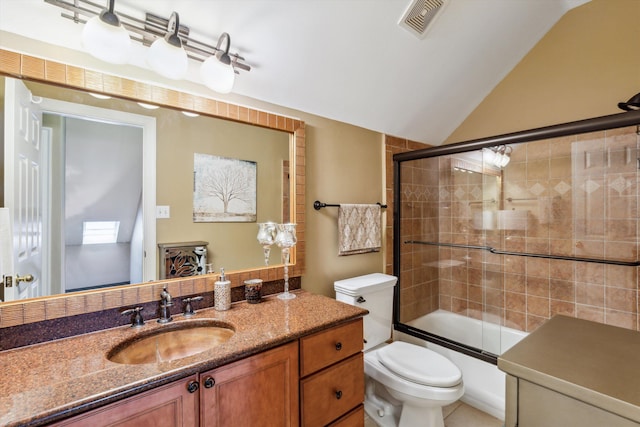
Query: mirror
267, 140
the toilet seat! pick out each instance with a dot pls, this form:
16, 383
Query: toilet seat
419, 365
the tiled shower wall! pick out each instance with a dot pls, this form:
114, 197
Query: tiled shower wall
575, 196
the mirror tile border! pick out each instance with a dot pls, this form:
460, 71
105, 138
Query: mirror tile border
27, 67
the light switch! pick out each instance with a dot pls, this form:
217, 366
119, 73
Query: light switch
163, 212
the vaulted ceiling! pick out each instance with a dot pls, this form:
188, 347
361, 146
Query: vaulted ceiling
346, 60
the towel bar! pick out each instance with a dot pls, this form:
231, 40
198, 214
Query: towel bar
317, 205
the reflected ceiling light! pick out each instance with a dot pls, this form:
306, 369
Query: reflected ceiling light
166, 55
148, 106
217, 71
105, 38
99, 95
171, 44
503, 156
190, 114
498, 156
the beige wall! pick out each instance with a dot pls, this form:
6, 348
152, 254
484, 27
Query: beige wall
587, 63
344, 165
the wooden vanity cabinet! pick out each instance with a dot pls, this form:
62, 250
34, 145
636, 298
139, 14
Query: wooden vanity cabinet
172, 405
261, 390
332, 377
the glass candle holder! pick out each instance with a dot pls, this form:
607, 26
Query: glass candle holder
286, 239
266, 237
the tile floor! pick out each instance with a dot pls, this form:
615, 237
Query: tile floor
459, 414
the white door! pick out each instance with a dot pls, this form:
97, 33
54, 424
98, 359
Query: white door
23, 188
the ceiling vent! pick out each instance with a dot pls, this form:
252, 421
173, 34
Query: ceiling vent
420, 14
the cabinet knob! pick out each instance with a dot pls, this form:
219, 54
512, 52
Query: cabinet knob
193, 386
338, 346
339, 394
209, 382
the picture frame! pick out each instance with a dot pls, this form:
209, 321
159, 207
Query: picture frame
224, 189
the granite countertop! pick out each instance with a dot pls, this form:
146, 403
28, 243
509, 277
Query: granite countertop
50, 381
592, 362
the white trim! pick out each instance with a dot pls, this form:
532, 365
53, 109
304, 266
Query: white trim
148, 125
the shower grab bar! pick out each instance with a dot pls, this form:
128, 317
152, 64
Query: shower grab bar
521, 199
482, 202
526, 254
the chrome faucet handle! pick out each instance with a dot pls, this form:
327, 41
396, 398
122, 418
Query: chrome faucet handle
188, 308
136, 320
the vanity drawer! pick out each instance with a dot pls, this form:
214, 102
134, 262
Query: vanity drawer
354, 418
332, 392
328, 347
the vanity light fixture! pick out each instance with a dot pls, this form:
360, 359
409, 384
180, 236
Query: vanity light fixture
108, 34
190, 114
105, 38
217, 71
166, 55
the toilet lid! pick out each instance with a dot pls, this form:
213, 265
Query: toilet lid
419, 364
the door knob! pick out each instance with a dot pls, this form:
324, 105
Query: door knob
25, 278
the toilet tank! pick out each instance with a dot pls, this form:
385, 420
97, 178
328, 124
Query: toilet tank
373, 292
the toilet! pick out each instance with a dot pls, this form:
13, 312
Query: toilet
406, 385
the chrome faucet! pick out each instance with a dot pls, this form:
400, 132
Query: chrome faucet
165, 303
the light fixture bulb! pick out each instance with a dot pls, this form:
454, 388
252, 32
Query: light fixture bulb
488, 156
506, 157
166, 55
217, 76
106, 41
168, 60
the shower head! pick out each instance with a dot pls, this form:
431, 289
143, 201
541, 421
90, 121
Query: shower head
631, 104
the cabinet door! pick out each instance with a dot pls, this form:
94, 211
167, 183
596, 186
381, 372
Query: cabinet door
172, 405
261, 390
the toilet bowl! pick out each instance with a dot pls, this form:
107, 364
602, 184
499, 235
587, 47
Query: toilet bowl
406, 385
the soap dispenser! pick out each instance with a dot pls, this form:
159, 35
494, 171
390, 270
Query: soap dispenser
222, 293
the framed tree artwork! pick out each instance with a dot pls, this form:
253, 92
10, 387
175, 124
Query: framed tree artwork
224, 189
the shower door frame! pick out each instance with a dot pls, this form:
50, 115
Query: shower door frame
629, 118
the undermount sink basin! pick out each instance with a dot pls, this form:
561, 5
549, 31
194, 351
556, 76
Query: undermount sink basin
171, 342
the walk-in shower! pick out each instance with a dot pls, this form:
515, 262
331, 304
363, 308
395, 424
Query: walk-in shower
511, 230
